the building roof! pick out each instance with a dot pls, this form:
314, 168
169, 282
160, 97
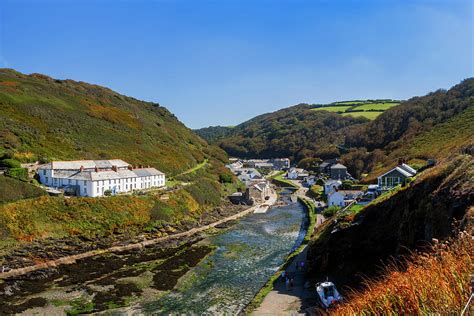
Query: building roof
408, 169
400, 170
338, 166
146, 172
86, 164
331, 181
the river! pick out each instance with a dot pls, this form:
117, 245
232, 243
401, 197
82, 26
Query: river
247, 255
211, 274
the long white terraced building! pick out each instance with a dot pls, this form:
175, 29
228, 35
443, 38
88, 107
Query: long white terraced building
95, 177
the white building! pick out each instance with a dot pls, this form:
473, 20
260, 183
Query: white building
343, 197
94, 177
331, 186
297, 173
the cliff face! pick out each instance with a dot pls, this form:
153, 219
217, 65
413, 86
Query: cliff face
427, 209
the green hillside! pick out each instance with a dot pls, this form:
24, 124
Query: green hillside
294, 132
44, 118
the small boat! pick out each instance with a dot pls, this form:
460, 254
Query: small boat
328, 293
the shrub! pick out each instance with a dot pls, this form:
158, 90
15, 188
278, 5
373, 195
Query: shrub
225, 178
18, 173
10, 163
346, 185
107, 193
330, 211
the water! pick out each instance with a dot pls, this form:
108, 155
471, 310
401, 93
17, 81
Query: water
247, 255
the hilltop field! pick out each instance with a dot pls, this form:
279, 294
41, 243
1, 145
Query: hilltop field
369, 109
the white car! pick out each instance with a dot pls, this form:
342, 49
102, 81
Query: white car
328, 293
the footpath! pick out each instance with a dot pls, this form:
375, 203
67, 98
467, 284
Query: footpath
73, 258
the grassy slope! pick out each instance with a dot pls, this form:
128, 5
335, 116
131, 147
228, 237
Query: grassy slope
65, 119
438, 142
371, 115
13, 190
42, 117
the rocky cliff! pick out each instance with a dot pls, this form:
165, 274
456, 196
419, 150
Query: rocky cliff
351, 247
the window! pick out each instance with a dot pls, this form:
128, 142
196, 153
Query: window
44, 172
84, 182
97, 189
46, 179
85, 190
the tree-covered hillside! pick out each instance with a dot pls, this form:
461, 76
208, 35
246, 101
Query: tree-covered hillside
214, 133
294, 132
44, 118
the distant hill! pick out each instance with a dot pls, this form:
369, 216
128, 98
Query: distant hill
372, 140
45, 118
294, 132
213, 133
431, 126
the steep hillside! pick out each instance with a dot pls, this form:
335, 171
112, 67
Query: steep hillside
423, 127
44, 118
294, 132
351, 247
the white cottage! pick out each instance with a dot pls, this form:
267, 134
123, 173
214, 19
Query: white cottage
94, 177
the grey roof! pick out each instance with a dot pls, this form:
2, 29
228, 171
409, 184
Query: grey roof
338, 166
408, 169
146, 172
324, 164
86, 164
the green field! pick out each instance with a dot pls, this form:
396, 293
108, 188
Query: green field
333, 108
350, 102
369, 114
377, 106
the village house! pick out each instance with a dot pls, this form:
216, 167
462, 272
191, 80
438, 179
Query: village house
247, 175
331, 186
297, 174
396, 176
343, 198
339, 172
94, 178
310, 181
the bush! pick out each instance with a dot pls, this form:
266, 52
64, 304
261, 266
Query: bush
330, 211
107, 192
225, 178
10, 163
18, 173
346, 185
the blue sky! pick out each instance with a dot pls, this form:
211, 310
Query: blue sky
223, 62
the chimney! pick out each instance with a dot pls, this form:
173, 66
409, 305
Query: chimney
130, 167
81, 168
96, 169
114, 168
401, 161
141, 166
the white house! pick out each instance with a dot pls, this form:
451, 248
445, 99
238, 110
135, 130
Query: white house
297, 173
94, 177
331, 186
343, 198
395, 176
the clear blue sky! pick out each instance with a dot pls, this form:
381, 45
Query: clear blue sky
222, 62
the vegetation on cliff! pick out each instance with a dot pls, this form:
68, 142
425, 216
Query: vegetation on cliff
437, 282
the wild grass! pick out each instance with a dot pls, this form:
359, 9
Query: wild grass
13, 190
437, 282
